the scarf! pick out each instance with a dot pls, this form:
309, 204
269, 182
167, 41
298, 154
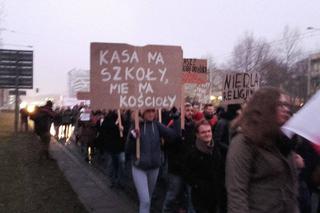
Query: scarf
203, 147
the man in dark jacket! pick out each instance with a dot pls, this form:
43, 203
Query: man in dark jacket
176, 153
204, 171
113, 145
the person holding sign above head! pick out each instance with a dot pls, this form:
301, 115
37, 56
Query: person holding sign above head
145, 169
261, 173
176, 155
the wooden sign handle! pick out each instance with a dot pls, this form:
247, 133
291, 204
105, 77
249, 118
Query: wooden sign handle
160, 121
136, 124
120, 123
182, 108
159, 116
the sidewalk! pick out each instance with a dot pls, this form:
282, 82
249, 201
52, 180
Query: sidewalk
28, 184
90, 184
67, 185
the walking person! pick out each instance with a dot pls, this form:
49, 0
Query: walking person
146, 169
261, 174
43, 119
113, 145
24, 114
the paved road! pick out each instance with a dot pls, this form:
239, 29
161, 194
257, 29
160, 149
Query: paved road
90, 184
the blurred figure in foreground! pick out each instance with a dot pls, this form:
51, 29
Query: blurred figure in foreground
261, 174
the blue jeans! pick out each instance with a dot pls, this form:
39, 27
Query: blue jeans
145, 182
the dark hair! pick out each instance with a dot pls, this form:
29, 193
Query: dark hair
206, 106
258, 121
49, 103
148, 110
231, 112
200, 123
196, 104
187, 104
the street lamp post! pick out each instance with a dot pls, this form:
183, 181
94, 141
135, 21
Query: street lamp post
309, 77
309, 65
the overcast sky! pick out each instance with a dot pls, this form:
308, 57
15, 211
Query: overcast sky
60, 31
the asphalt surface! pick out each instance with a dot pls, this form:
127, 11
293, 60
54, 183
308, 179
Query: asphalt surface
91, 185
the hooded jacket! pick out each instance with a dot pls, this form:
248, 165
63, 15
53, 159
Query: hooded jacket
151, 133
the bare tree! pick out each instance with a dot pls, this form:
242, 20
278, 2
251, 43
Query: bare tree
273, 73
250, 54
289, 49
211, 65
289, 54
279, 62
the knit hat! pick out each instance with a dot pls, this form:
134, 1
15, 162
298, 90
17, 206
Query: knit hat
147, 110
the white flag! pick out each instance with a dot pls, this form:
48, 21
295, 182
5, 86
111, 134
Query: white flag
306, 122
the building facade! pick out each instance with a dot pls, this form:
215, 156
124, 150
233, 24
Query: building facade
4, 98
78, 80
314, 74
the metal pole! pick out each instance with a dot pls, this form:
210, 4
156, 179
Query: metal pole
309, 77
16, 116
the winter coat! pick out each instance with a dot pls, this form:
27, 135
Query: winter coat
150, 142
87, 132
43, 117
221, 134
109, 135
177, 151
204, 173
260, 178
306, 184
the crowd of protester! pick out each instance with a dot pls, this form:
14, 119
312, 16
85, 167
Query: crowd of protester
226, 159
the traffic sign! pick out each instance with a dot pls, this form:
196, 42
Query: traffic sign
16, 69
